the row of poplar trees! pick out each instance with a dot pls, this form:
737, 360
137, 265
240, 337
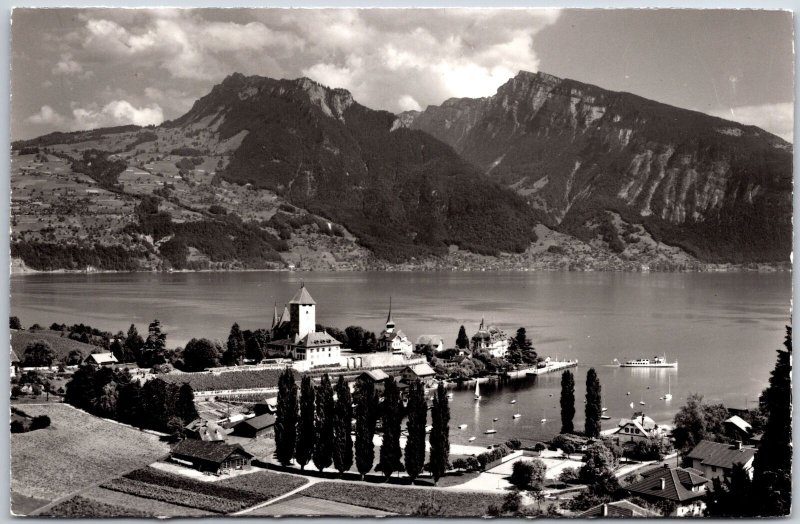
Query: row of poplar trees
594, 403
313, 426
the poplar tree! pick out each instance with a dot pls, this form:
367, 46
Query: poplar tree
440, 434
286, 418
593, 404
305, 425
462, 341
235, 348
772, 466
323, 423
567, 402
365, 426
184, 405
343, 420
391, 417
417, 419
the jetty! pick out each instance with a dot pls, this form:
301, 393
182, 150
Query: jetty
552, 367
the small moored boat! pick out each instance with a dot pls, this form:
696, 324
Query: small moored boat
462, 426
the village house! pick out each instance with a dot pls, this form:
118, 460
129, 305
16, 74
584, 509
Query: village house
258, 426
305, 344
394, 340
684, 487
101, 359
433, 343
201, 429
716, 459
212, 457
640, 428
618, 509
423, 372
378, 377
739, 429
492, 339
15, 363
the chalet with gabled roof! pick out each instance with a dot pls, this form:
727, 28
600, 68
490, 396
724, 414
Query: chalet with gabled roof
686, 488
716, 459
214, 457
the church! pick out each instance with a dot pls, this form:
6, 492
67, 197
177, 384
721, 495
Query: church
305, 343
393, 340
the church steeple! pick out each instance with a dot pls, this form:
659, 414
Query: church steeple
389, 321
275, 316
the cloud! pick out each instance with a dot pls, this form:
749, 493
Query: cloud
115, 113
776, 118
46, 116
67, 66
407, 103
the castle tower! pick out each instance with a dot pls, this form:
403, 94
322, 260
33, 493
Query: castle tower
302, 313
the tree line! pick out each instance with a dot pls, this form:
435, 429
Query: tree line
315, 424
115, 394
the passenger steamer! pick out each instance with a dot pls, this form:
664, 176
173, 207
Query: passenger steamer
657, 362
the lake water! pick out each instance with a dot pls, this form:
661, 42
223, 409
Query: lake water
723, 328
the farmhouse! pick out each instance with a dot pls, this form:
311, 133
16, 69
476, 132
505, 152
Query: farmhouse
378, 377
258, 426
492, 339
393, 340
101, 359
684, 487
715, 459
211, 457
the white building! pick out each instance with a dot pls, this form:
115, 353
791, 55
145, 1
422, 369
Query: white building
715, 459
492, 339
640, 428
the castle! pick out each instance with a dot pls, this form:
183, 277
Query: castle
305, 343
492, 339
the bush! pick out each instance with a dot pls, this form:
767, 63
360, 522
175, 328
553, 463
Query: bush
17, 427
40, 422
513, 444
527, 473
14, 323
568, 475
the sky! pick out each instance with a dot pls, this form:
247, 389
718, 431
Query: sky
85, 68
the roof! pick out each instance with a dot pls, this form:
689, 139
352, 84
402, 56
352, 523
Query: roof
429, 340
317, 339
740, 423
302, 297
621, 508
421, 370
206, 430
393, 335
377, 375
260, 422
721, 455
103, 358
678, 483
15, 357
212, 451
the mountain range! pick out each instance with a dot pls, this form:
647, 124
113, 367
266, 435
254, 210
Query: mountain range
546, 167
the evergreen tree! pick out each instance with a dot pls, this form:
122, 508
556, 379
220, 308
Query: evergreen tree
154, 349
365, 425
234, 354
343, 440
417, 419
80, 389
731, 496
567, 402
440, 434
129, 404
255, 346
392, 415
305, 425
462, 341
105, 405
133, 344
324, 423
286, 418
594, 404
184, 405
772, 466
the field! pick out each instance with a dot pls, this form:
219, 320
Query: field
80, 507
313, 507
405, 501
224, 496
43, 462
263, 378
153, 508
61, 345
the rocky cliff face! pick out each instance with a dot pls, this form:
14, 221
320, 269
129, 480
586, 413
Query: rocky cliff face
721, 190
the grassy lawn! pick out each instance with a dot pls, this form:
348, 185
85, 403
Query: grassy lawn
76, 451
405, 501
80, 507
61, 345
153, 508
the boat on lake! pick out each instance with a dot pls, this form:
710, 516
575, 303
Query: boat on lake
490, 431
604, 417
472, 439
668, 395
656, 362
477, 390
516, 415
462, 426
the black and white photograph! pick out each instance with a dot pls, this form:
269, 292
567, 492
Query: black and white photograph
389, 262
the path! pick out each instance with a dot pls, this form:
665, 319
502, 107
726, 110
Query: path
311, 482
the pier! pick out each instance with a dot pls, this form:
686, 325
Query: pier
552, 367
